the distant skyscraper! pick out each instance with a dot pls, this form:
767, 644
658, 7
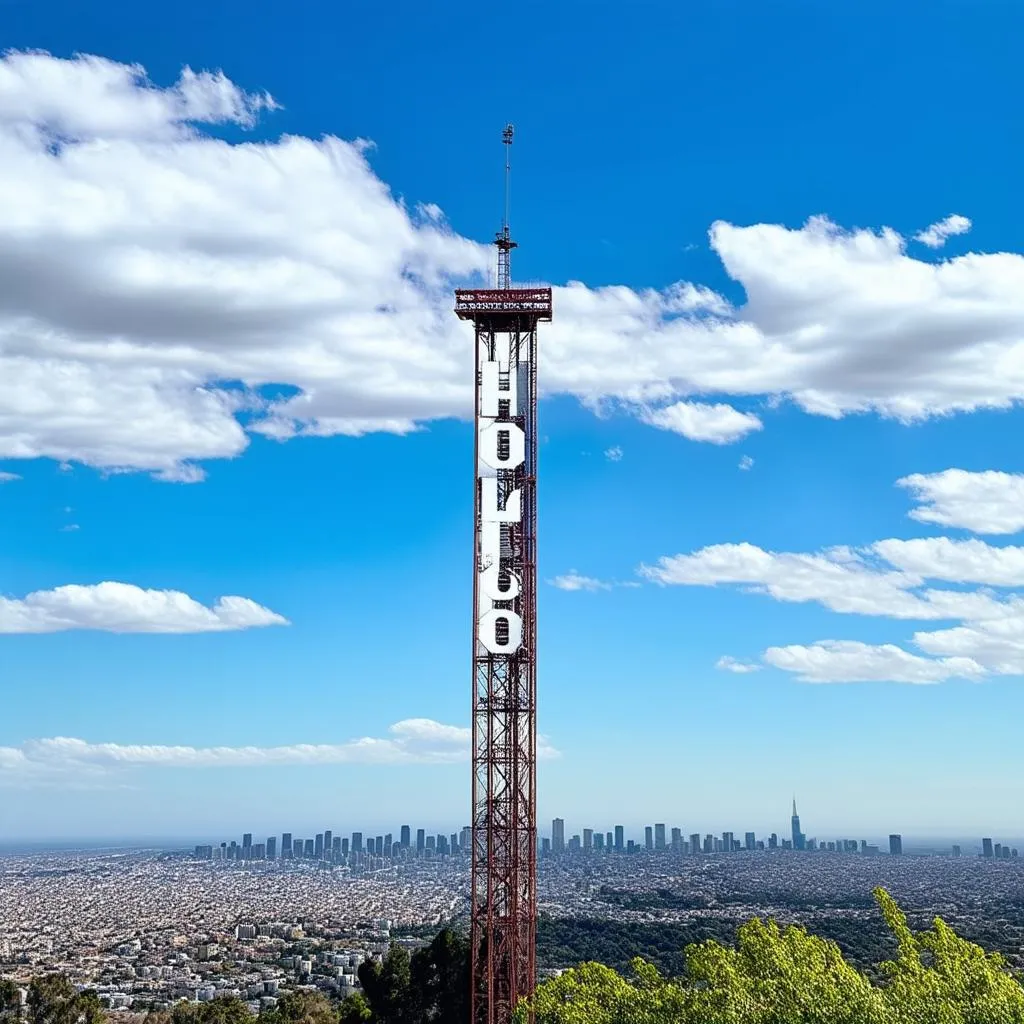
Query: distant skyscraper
709, 843
956, 851
421, 841
406, 837
558, 835
545, 846
727, 842
328, 843
986, 847
895, 844
272, 848
694, 842
357, 842
649, 838
378, 846
608, 841
620, 838
344, 849
336, 847
677, 840
247, 846
798, 836
598, 840
588, 839
773, 841
318, 846
659, 836
999, 850
286, 846
308, 850
751, 840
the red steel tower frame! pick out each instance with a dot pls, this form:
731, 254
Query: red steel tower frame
504, 822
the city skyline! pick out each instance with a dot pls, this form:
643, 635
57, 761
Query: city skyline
317, 843
779, 542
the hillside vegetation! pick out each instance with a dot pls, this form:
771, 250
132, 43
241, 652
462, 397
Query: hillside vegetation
776, 976
770, 976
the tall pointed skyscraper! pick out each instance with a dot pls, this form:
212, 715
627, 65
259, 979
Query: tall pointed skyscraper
798, 836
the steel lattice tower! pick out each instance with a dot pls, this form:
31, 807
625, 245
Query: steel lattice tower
504, 843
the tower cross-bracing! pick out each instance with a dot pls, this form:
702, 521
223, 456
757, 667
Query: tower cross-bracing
504, 754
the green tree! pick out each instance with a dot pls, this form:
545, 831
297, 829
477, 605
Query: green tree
52, 999
224, 1010
386, 985
301, 1008
10, 1001
785, 976
938, 976
439, 980
355, 1010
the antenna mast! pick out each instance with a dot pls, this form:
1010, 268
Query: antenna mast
503, 239
503, 914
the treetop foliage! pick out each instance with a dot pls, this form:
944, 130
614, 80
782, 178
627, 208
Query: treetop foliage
786, 976
772, 975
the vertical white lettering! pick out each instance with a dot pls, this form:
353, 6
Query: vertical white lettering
501, 445
491, 580
493, 392
489, 511
501, 631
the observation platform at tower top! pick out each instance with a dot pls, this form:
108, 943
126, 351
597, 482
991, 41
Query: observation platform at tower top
483, 303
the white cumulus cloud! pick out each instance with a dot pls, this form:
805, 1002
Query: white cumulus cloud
164, 293
124, 608
727, 663
848, 661
935, 235
986, 502
572, 580
7, 478
888, 579
411, 741
698, 421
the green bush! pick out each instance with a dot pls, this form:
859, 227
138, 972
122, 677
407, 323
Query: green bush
785, 976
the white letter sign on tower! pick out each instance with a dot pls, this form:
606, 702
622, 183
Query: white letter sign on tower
501, 445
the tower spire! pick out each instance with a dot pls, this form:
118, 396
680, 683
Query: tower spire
794, 807
503, 239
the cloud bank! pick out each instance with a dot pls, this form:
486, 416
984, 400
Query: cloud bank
935, 235
164, 294
889, 579
987, 502
123, 608
411, 741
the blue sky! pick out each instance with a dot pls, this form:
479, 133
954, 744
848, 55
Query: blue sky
200, 397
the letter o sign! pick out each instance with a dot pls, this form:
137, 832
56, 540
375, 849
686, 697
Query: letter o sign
500, 631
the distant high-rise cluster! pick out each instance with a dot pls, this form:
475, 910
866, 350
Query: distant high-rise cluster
998, 851
328, 848
364, 850
656, 838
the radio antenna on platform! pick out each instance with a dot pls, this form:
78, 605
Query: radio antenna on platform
503, 239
